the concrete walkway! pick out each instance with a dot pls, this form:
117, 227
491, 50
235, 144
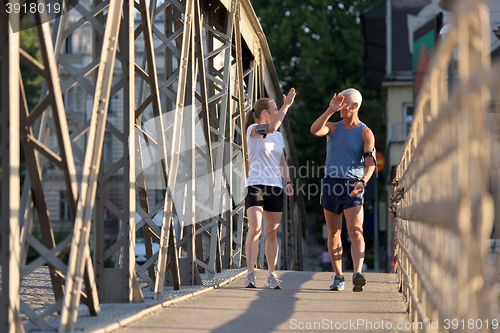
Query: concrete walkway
304, 303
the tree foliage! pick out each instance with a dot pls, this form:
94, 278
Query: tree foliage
28, 41
32, 82
317, 48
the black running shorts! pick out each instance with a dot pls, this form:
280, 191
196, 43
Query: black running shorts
268, 197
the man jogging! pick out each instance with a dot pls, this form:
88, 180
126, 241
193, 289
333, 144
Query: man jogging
350, 162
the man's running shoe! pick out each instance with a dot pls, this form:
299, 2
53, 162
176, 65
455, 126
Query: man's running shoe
250, 281
358, 281
273, 282
338, 283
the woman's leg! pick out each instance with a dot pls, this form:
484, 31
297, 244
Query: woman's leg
271, 224
254, 215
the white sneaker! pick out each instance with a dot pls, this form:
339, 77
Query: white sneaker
250, 281
273, 282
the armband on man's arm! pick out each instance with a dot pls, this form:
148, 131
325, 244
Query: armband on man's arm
262, 129
371, 154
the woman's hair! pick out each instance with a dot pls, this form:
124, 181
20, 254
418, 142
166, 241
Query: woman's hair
352, 96
254, 115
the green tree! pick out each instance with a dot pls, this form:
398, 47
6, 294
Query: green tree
32, 82
317, 48
29, 42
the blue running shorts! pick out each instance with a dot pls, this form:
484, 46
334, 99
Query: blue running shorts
335, 194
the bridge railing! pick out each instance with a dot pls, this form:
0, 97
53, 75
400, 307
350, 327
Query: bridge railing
443, 204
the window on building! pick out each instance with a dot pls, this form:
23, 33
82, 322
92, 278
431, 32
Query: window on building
86, 44
111, 105
68, 47
64, 213
69, 99
408, 117
107, 148
159, 195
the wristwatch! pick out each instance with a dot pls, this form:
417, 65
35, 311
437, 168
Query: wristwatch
362, 182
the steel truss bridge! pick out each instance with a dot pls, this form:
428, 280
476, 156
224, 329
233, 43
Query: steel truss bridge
216, 65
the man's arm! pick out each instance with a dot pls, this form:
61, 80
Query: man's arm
321, 126
368, 146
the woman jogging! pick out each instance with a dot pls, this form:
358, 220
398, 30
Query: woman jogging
264, 199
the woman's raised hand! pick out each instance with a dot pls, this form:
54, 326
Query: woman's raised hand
288, 100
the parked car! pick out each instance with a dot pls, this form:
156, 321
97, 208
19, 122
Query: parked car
140, 251
140, 247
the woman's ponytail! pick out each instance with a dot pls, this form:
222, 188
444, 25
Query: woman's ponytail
250, 118
254, 115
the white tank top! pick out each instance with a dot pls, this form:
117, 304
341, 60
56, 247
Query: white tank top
264, 155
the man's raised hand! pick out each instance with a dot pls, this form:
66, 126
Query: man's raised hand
337, 102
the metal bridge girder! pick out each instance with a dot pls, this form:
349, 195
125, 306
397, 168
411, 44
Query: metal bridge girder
216, 65
10, 154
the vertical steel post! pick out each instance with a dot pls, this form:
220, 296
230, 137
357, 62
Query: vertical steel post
10, 191
167, 220
129, 185
80, 252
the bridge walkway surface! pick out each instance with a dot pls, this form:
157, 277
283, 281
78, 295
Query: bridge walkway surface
304, 304
221, 304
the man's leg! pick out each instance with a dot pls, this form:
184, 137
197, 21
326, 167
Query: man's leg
354, 222
334, 228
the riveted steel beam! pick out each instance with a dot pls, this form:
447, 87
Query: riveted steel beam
10, 181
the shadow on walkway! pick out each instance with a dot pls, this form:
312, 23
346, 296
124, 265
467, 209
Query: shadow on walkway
271, 309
